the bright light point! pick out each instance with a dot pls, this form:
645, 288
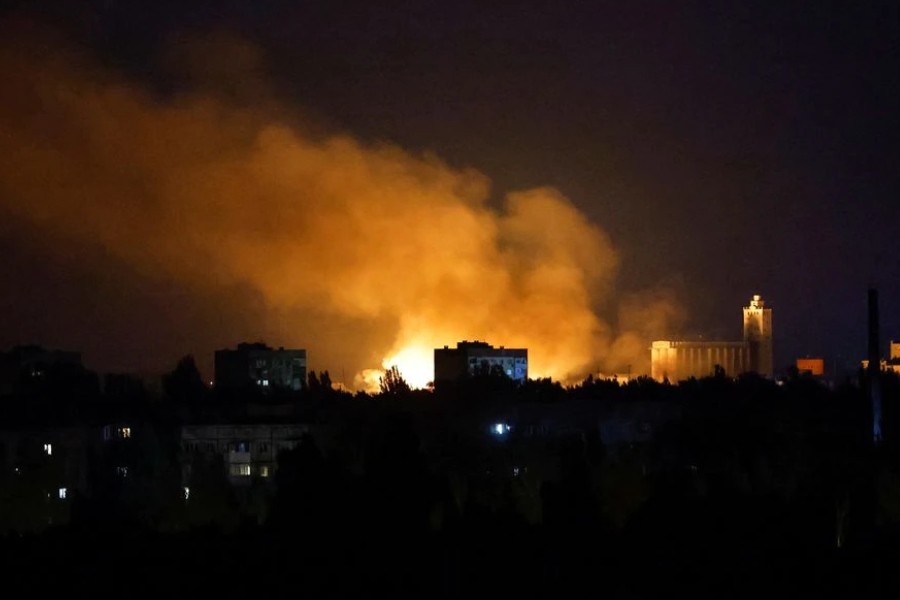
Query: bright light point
498, 428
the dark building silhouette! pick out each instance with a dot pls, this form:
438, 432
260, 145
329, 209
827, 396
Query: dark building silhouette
470, 358
259, 365
247, 450
25, 368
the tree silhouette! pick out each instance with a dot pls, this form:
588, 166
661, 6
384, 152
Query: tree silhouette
393, 384
184, 384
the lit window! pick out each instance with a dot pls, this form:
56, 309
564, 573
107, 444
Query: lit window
264, 471
265, 382
48, 449
122, 471
62, 493
515, 471
187, 493
124, 432
240, 470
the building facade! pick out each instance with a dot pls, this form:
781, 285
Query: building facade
261, 366
758, 335
679, 360
247, 450
676, 360
811, 366
892, 363
472, 358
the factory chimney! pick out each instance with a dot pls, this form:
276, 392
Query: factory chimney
874, 370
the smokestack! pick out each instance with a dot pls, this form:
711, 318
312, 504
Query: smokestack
874, 367
874, 343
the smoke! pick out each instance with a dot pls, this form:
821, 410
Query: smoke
363, 253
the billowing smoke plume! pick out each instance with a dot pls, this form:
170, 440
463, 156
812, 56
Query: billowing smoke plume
211, 189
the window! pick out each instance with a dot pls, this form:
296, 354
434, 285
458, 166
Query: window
240, 470
187, 493
124, 432
48, 449
264, 471
62, 493
122, 471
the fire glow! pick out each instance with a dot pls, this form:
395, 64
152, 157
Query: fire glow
341, 240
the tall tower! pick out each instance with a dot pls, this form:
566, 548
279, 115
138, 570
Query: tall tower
758, 335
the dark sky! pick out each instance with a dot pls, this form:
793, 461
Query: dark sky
727, 148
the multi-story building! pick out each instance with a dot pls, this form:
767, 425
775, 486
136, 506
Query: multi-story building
259, 365
892, 363
471, 358
678, 360
25, 368
248, 451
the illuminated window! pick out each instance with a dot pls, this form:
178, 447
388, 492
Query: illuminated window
62, 493
48, 449
264, 471
124, 432
240, 470
122, 471
187, 493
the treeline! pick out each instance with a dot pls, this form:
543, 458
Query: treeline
709, 488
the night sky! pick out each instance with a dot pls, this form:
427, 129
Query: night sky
725, 150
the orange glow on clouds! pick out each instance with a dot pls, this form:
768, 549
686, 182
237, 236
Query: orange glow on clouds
364, 254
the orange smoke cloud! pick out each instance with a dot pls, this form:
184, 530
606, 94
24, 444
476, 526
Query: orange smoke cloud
207, 189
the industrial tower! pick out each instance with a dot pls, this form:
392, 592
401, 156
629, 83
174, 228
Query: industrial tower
758, 335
